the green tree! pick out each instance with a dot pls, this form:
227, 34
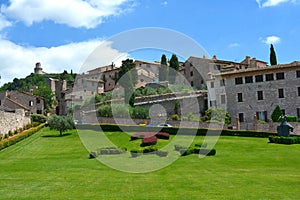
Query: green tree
276, 114
61, 123
273, 59
48, 96
163, 69
174, 67
128, 78
217, 114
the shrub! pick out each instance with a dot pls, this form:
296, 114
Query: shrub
185, 152
110, 151
10, 133
217, 114
208, 152
6, 136
149, 141
163, 135
179, 147
149, 149
136, 152
162, 153
140, 112
175, 117
276, 114
38, 118
104, 111
284, 140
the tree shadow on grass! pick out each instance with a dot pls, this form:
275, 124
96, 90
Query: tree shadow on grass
57, 135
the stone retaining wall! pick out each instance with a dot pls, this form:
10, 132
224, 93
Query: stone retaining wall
12, 121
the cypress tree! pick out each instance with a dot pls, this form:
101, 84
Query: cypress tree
163, 70
273, 59
276, 114
174, 67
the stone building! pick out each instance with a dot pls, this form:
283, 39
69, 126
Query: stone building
254, 91
10, 101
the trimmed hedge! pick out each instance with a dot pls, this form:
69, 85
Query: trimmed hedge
21, 136
184, 151
149, 141
174, 130
284, 140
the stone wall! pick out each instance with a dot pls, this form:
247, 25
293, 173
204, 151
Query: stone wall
12, 121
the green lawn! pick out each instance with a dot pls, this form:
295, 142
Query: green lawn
45, 167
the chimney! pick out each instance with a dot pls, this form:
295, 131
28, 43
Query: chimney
214, 57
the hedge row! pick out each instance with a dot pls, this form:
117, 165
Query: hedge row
19, 137
148, 150
284, 140
184, 151
107, 151
175, 130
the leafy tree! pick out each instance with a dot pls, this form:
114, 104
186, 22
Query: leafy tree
163, 70
104, 111
61, 123
276, 114
217, 114
128, 78
48, 96
174, 67
273, 59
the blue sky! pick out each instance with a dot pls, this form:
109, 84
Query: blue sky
62, 34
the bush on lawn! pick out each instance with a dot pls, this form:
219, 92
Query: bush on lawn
204, 145
136, 152
162, 153
163, 135
149, 149
149, 141
93, 155
284, 140
111, 151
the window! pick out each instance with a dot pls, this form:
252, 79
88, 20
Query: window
262, 116
192, 73
0, 102
31, 103
298, 93
213, 103
38, 100
269, 77
217, 67
259, 78
212, 84
298, 73
240, 97
280, 76
283, 112
249, 79
192, 83
241, 117
238, 80
260, 95
280, 93
298, 113
223, 99
39, 112
222, 82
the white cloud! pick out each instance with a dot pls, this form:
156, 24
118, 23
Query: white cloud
233, 45
270, 3
19, 61
3, 22
271, 40
74, 13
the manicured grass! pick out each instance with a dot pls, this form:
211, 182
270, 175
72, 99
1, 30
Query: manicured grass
48, 167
